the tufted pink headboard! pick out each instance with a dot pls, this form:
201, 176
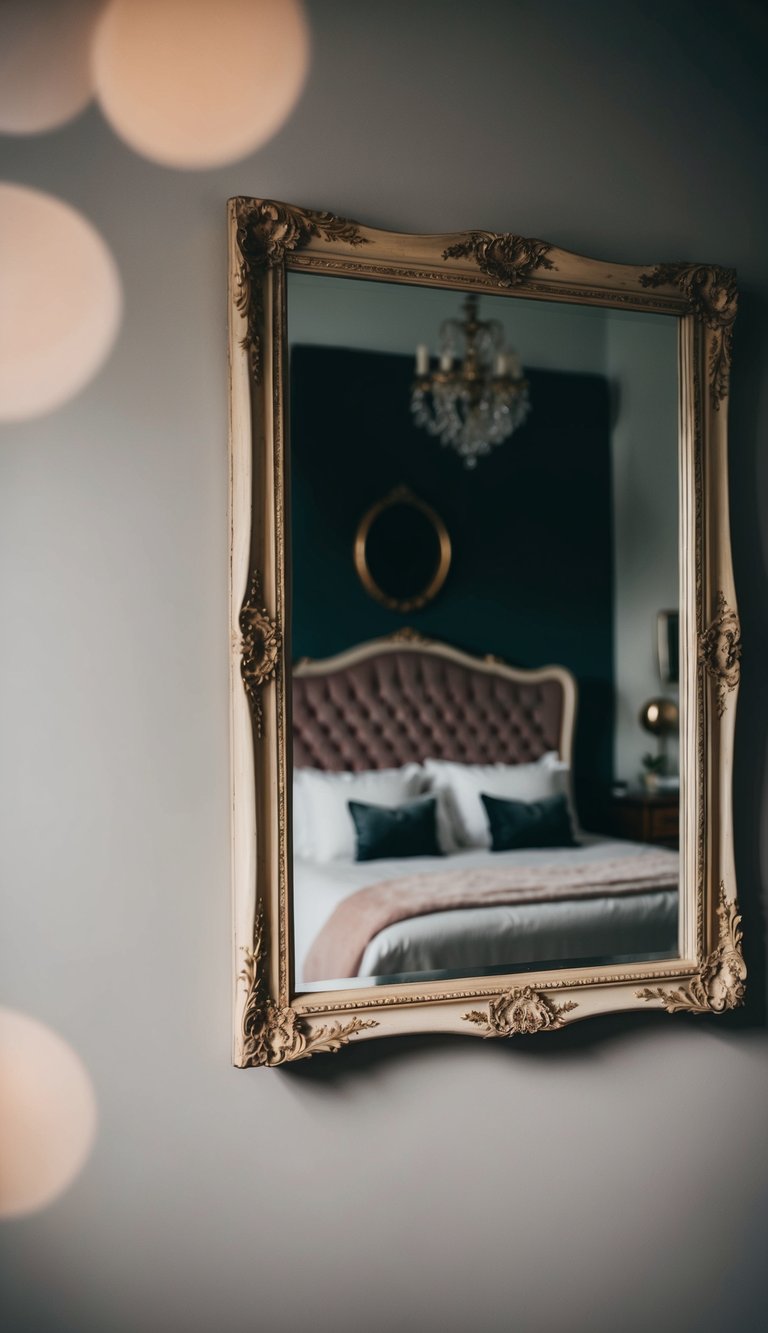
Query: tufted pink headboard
397, 701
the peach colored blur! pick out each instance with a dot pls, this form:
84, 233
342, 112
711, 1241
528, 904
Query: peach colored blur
60, 302
47, 1114
45, 62
198, 83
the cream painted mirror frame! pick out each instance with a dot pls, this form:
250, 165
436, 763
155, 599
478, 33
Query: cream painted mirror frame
272, 1024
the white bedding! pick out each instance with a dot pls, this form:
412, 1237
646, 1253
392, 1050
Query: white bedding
487, 937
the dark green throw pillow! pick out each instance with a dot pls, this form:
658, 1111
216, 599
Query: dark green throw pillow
518, 824
395, 831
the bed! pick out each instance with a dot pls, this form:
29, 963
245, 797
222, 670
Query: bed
407, 710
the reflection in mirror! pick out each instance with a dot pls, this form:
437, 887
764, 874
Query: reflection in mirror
668, 627
402, 551
481, 798
476, 394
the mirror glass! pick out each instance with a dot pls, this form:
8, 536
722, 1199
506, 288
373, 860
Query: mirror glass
450, 819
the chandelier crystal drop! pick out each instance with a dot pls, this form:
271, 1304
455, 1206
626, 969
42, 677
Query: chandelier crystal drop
478, 395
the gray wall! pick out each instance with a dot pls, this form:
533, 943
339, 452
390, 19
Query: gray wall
605, 1178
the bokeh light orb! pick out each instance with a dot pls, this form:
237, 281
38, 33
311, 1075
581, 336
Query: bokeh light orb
60, 302
198, 83
45, 62
47, 1114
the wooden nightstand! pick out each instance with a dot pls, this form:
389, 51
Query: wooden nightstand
646, 817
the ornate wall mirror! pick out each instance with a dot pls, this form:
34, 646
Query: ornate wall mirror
427, 833
402, 551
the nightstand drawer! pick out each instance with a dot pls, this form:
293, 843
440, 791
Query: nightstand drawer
646, 818
665, 823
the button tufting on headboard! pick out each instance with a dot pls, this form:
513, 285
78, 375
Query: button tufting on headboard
379, 706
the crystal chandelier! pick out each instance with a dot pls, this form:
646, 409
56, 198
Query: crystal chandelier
478, 402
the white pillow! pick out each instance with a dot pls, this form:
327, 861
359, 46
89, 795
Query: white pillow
323, 829
461, 786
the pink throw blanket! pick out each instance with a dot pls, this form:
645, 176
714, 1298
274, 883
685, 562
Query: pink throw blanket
338, 949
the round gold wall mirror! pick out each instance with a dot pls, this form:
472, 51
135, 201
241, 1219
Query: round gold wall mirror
402, 551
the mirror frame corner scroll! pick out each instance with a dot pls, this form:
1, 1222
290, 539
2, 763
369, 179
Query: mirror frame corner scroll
272, 1024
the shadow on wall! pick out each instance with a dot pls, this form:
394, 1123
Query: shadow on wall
564, 1047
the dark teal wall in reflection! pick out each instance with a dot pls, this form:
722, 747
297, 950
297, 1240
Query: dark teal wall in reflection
532, 575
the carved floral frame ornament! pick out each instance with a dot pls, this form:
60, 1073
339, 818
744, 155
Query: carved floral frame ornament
273, 1023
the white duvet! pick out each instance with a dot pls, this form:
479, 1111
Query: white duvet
486, 937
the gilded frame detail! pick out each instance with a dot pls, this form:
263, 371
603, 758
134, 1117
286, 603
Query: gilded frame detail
274, 1025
